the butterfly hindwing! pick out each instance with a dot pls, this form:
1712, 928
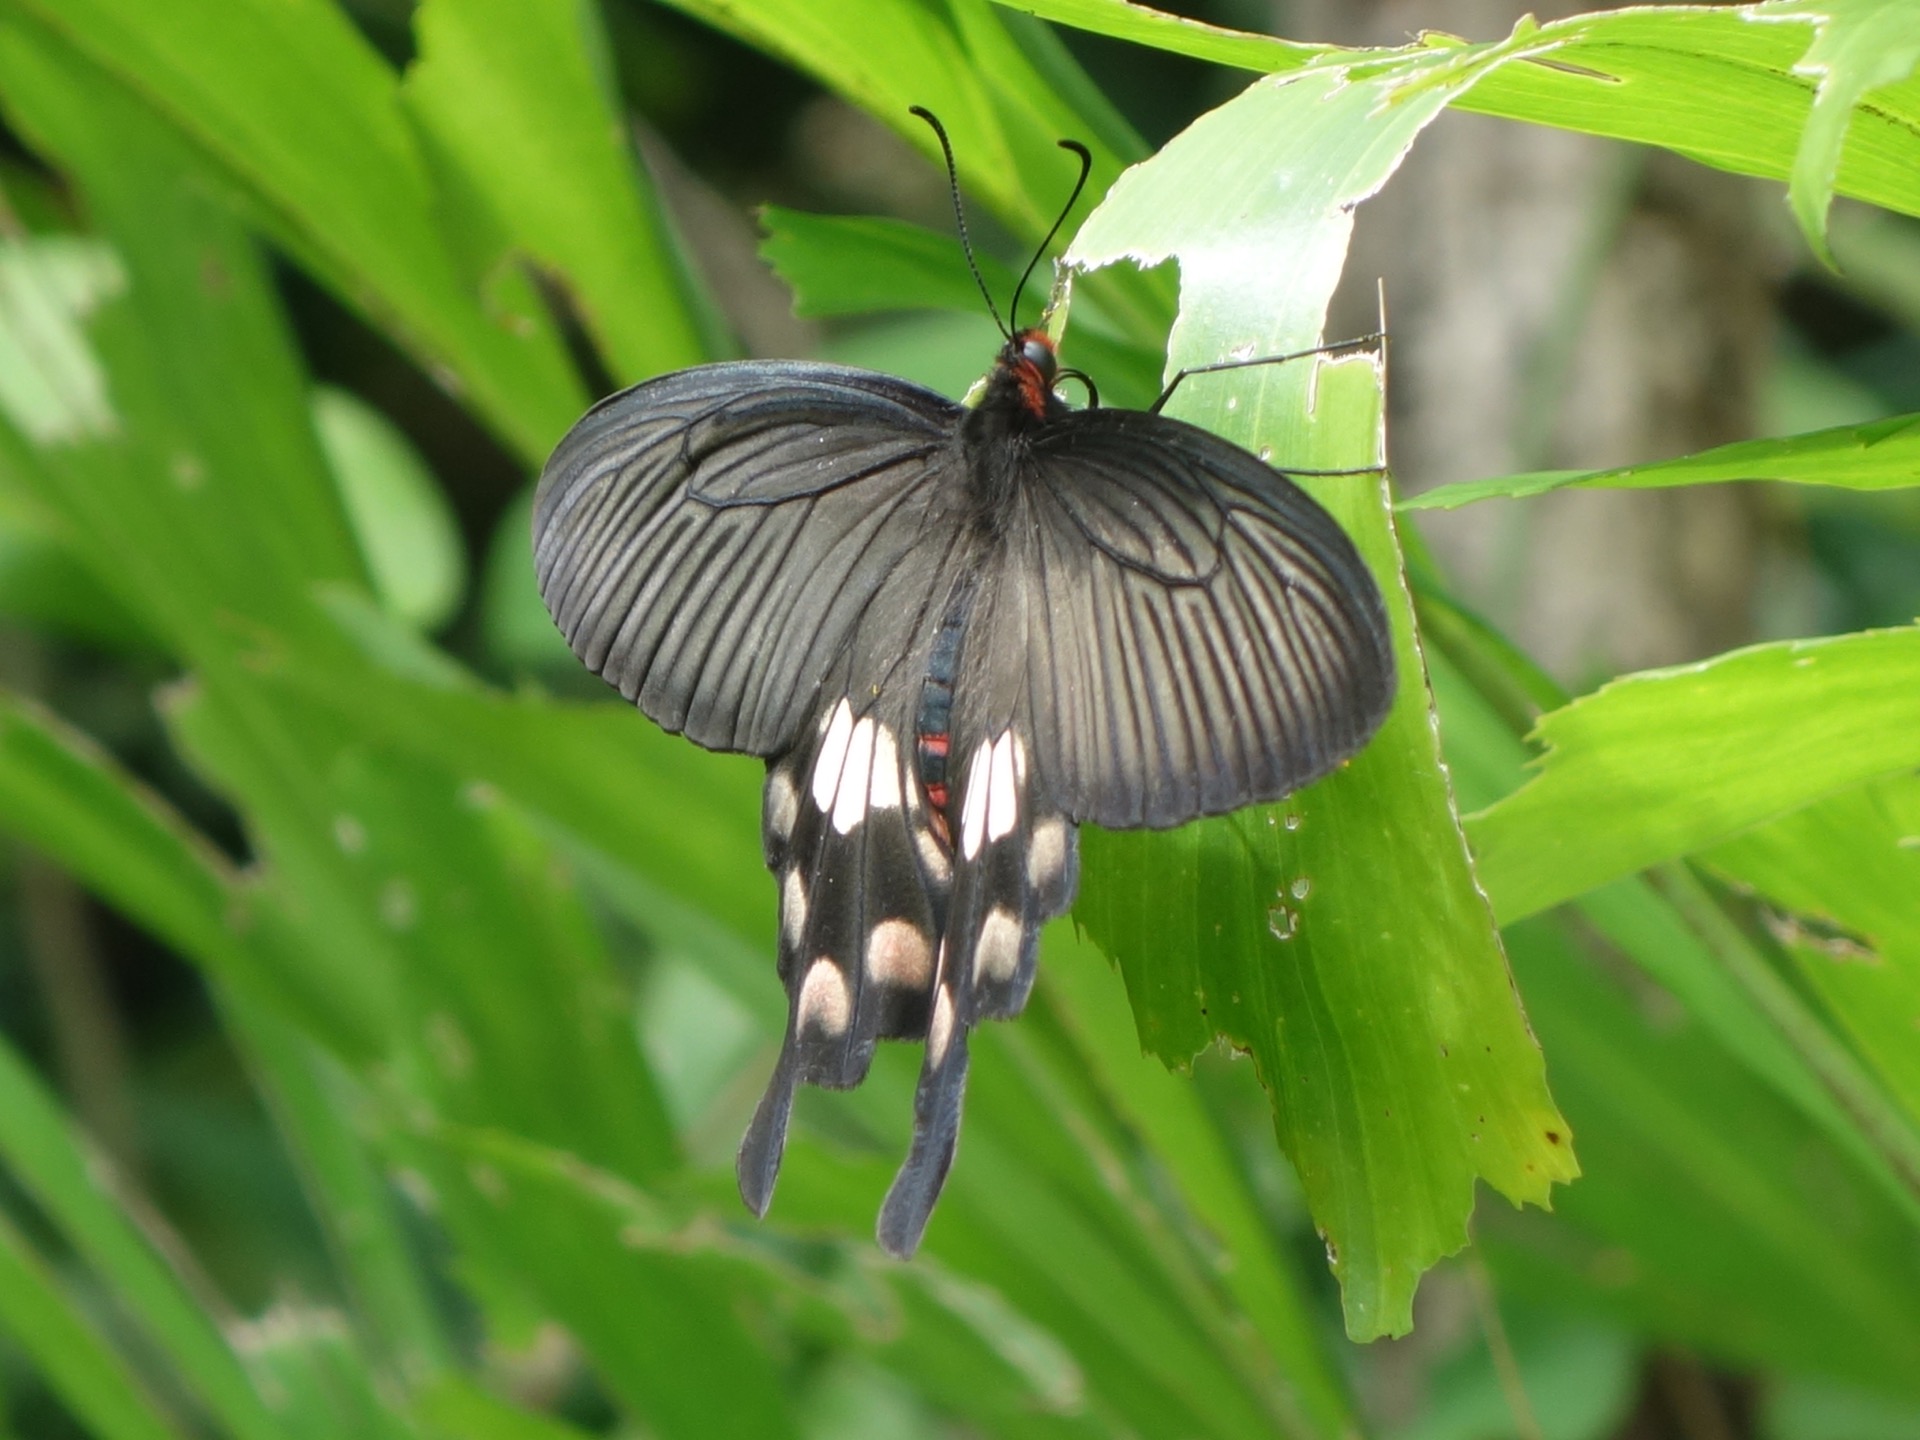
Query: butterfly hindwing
848, 840
1015, 865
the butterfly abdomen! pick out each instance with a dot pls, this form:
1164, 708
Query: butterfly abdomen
933, 723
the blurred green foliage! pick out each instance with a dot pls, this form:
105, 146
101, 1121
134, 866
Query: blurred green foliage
388, 1082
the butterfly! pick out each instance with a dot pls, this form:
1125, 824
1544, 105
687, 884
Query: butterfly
955, 633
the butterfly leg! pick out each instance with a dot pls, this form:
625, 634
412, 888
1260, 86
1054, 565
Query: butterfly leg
1337, 347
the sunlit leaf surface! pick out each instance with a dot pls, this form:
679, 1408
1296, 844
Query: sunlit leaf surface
298, 112
1884, 455
516, 95
1663, 763
1717, 84
1845, 874
1339, 937
1859, 47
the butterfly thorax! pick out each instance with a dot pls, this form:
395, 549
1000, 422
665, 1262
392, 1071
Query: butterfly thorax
993, 437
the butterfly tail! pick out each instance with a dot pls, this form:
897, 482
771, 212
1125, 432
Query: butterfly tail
936, 1122
758, 1164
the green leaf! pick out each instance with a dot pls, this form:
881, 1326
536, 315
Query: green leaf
1859, 46
1047, 1209
211, 512
51, 384
211, 509
1660, 764
74, 1188
1168, 1114
958, 61
60, 794
1884, 455
1339, 938
317, 1110
1762, 1053
1581, 1380
303, 119
1707, 82
44, 585
1846, 870
600, 771
1690, 950
1712, 85
658, 1308
943, 350
320, 1377
1679, 938
1005, 88
1032, 1222
406, 528
464, 907
1711, 1214
1177, 34
516, 96
854, 265
519, 632
1803, 1408
460, 1410
89, 1377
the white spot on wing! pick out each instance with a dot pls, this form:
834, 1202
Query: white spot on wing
783, 803
934, 858
1003, 792
1047, 853
824, 1002
793, 908
898, 954
997, 955
973, 813
850, 802
832, 756
940, 1028
885, 791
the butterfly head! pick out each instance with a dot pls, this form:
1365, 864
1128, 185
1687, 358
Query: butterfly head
1030, 362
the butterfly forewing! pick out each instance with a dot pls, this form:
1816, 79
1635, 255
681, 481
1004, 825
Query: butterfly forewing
713, 542
1196, 633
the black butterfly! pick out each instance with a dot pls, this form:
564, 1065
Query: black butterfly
955, 634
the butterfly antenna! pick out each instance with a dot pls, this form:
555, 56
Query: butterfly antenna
960, 216
1086, 168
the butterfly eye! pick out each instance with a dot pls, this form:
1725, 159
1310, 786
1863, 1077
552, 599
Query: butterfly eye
1039, 354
